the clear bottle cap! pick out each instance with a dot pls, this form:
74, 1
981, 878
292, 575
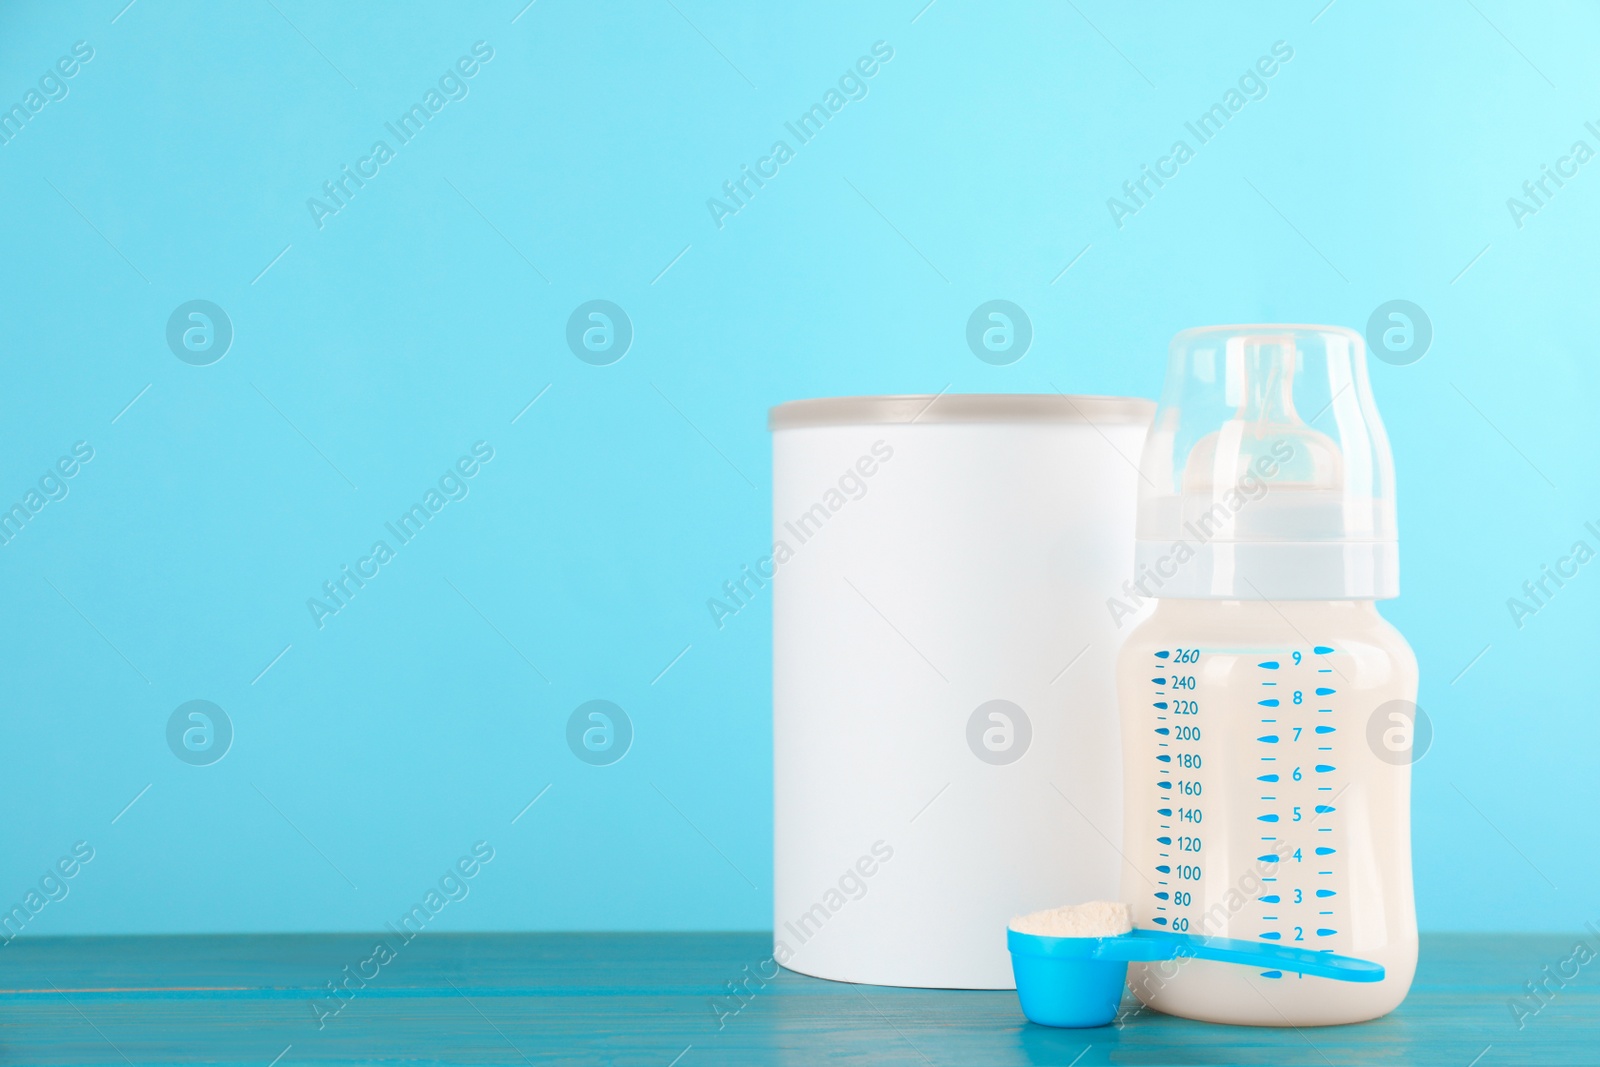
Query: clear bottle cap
1267, 473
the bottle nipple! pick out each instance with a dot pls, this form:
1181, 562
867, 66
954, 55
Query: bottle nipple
1265, 439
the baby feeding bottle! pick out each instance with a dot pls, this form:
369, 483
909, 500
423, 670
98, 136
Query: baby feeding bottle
1266, 706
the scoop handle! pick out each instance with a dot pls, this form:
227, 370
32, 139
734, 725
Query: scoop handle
1258, 954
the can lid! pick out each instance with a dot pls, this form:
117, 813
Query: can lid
959, 407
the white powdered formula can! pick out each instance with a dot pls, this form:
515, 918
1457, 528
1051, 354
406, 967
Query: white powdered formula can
945, 730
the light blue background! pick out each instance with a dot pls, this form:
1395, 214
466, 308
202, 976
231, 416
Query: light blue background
415, 323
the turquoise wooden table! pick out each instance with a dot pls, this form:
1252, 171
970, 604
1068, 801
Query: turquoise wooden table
668, 1000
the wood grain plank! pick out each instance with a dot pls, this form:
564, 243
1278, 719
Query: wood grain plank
644, 999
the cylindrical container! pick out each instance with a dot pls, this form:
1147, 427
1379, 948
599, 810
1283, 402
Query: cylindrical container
1268, 709
945, 741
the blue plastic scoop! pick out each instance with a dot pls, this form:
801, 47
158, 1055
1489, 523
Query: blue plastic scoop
1077, 981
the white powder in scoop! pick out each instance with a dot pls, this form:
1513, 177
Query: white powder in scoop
1098, 918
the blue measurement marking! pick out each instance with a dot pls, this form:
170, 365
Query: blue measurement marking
1324, 691
1164, 785
1270, 739
1325, 851
1271, 900
1165, 813
1272, 974
1326, 893
1271, 935
1323, 931
1324, 768
1322, 650
1270, 664
1164, 759
1163, 654
1159, 681
1160, 919
1271, 703
1325, 729
1164, 840
1269, 798
1160, 705
1163, 730
1269, 858
1267, 778
1266, 818
1164, 869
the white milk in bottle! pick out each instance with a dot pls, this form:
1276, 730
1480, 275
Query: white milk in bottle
1266, 705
